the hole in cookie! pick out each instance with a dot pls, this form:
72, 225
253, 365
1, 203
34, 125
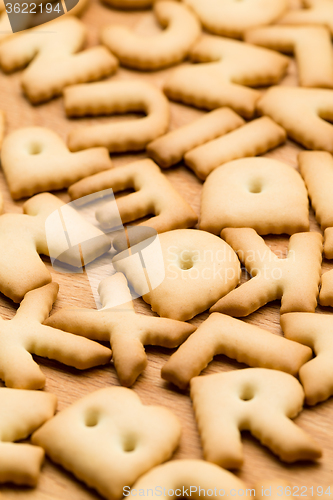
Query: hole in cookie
247, 394
185, 261
92, 418
35, 148
129, 443
255, 186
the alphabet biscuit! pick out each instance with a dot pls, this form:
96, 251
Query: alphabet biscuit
171, 46
303, 113
315, 12
110, 434
295, 279
266, 195
315, 331
21, 413
311, 46
197, 268
194, 476
228, 69
171, 147
154, 194
113, 98
255, 399
54, 63
35, 159
233, 18
221, 334
25, 335
252, 139
23, 237
126, 331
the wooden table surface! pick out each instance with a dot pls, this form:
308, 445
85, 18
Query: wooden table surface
69, 384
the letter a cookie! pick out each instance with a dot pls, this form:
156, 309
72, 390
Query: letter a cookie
108, 439
255, 399
126, 331
295, 279
228, 69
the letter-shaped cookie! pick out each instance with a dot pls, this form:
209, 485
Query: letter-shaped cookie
317, 170
198, 267
189, 475
254, 138
108, 439
315, 331
232, 17
113, 98
264, 194
56, 65
23, 237
171, 46
25, 335
314, 12
312, 47
126, 331
255, 399
21, 413
35, 159
171, 147
2, 133
154, 194
228, 65
129, 4
221, 334
295, 279
303, 113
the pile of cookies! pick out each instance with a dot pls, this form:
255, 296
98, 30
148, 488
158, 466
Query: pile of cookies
198, 270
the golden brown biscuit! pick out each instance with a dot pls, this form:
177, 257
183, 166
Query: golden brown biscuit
35, 159
311, 46
153, 195
315, 12
42, 229
56, 64
233, 18
255, 399
171, 147
221, 334
264, 194
195, 477
126, 331
303, 113
129, 4
294, 279
254, 138
110, 434
194, 270
315, 331
228, 69
181, 29
21, 413
25, 335
113, 98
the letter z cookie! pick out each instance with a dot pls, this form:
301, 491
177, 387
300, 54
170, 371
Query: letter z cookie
108, 439
56, 64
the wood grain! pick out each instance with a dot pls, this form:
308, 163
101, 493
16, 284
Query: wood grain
69, 385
